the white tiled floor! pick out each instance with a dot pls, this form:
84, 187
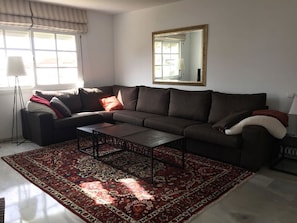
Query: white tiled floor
269, 196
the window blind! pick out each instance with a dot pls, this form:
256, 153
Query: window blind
43, 16
15, 13
59, 18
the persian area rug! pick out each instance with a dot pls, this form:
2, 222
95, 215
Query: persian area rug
97, 192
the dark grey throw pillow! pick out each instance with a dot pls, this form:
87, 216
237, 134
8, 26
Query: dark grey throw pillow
231, 120
60, 106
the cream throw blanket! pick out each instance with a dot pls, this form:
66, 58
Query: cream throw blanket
273, 126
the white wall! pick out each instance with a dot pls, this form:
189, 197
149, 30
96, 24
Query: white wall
97, 50
252, 45
252, 48
6, 111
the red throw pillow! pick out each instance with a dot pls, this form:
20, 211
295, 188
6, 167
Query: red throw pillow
111, 103
281, 116
43, 101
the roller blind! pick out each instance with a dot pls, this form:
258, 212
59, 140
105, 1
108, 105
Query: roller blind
15, 13
43, 16
59, 18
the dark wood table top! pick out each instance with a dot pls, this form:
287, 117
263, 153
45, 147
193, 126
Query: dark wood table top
139, 135
90, 128
152, 138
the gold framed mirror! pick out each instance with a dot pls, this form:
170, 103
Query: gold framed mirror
180, 55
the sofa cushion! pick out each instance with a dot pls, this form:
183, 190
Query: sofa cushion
37, 107
72, 101
90, 97
169, 124
132, 117
70, 98
60, 106
153, 100
48, 95
106, 115
78, 119
111, 103
223, 104
206, 133
193, 105
127, 96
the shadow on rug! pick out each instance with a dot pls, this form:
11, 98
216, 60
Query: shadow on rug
97, 192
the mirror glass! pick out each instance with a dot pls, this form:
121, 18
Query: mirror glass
179, 56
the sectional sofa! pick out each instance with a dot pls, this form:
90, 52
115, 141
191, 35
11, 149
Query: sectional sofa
201, 116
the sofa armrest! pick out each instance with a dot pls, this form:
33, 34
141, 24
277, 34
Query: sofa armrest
258, 148
38, 127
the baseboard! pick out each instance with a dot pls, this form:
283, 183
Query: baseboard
20, 139
5, 140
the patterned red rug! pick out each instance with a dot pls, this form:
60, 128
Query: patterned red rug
98, 192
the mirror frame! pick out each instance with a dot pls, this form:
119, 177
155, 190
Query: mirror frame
204, 29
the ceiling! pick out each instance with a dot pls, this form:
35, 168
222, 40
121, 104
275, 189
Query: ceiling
111, 6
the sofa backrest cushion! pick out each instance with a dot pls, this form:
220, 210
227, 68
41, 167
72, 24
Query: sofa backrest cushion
153, 100
193, 105
224, 104
90, 97
127, 96
70, 98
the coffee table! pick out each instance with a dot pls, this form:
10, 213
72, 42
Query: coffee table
127, 136
86, 132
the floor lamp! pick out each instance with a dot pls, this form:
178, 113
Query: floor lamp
16, 68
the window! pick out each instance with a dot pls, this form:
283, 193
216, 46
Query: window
49, 58
55, 58
15, 43
167, 59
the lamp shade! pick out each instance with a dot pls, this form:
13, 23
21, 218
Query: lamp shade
15, 66
293, 109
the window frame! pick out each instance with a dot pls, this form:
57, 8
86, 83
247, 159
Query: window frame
32, 50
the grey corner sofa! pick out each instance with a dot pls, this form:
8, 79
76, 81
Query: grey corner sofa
190, 113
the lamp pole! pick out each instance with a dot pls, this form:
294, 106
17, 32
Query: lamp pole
16, 68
